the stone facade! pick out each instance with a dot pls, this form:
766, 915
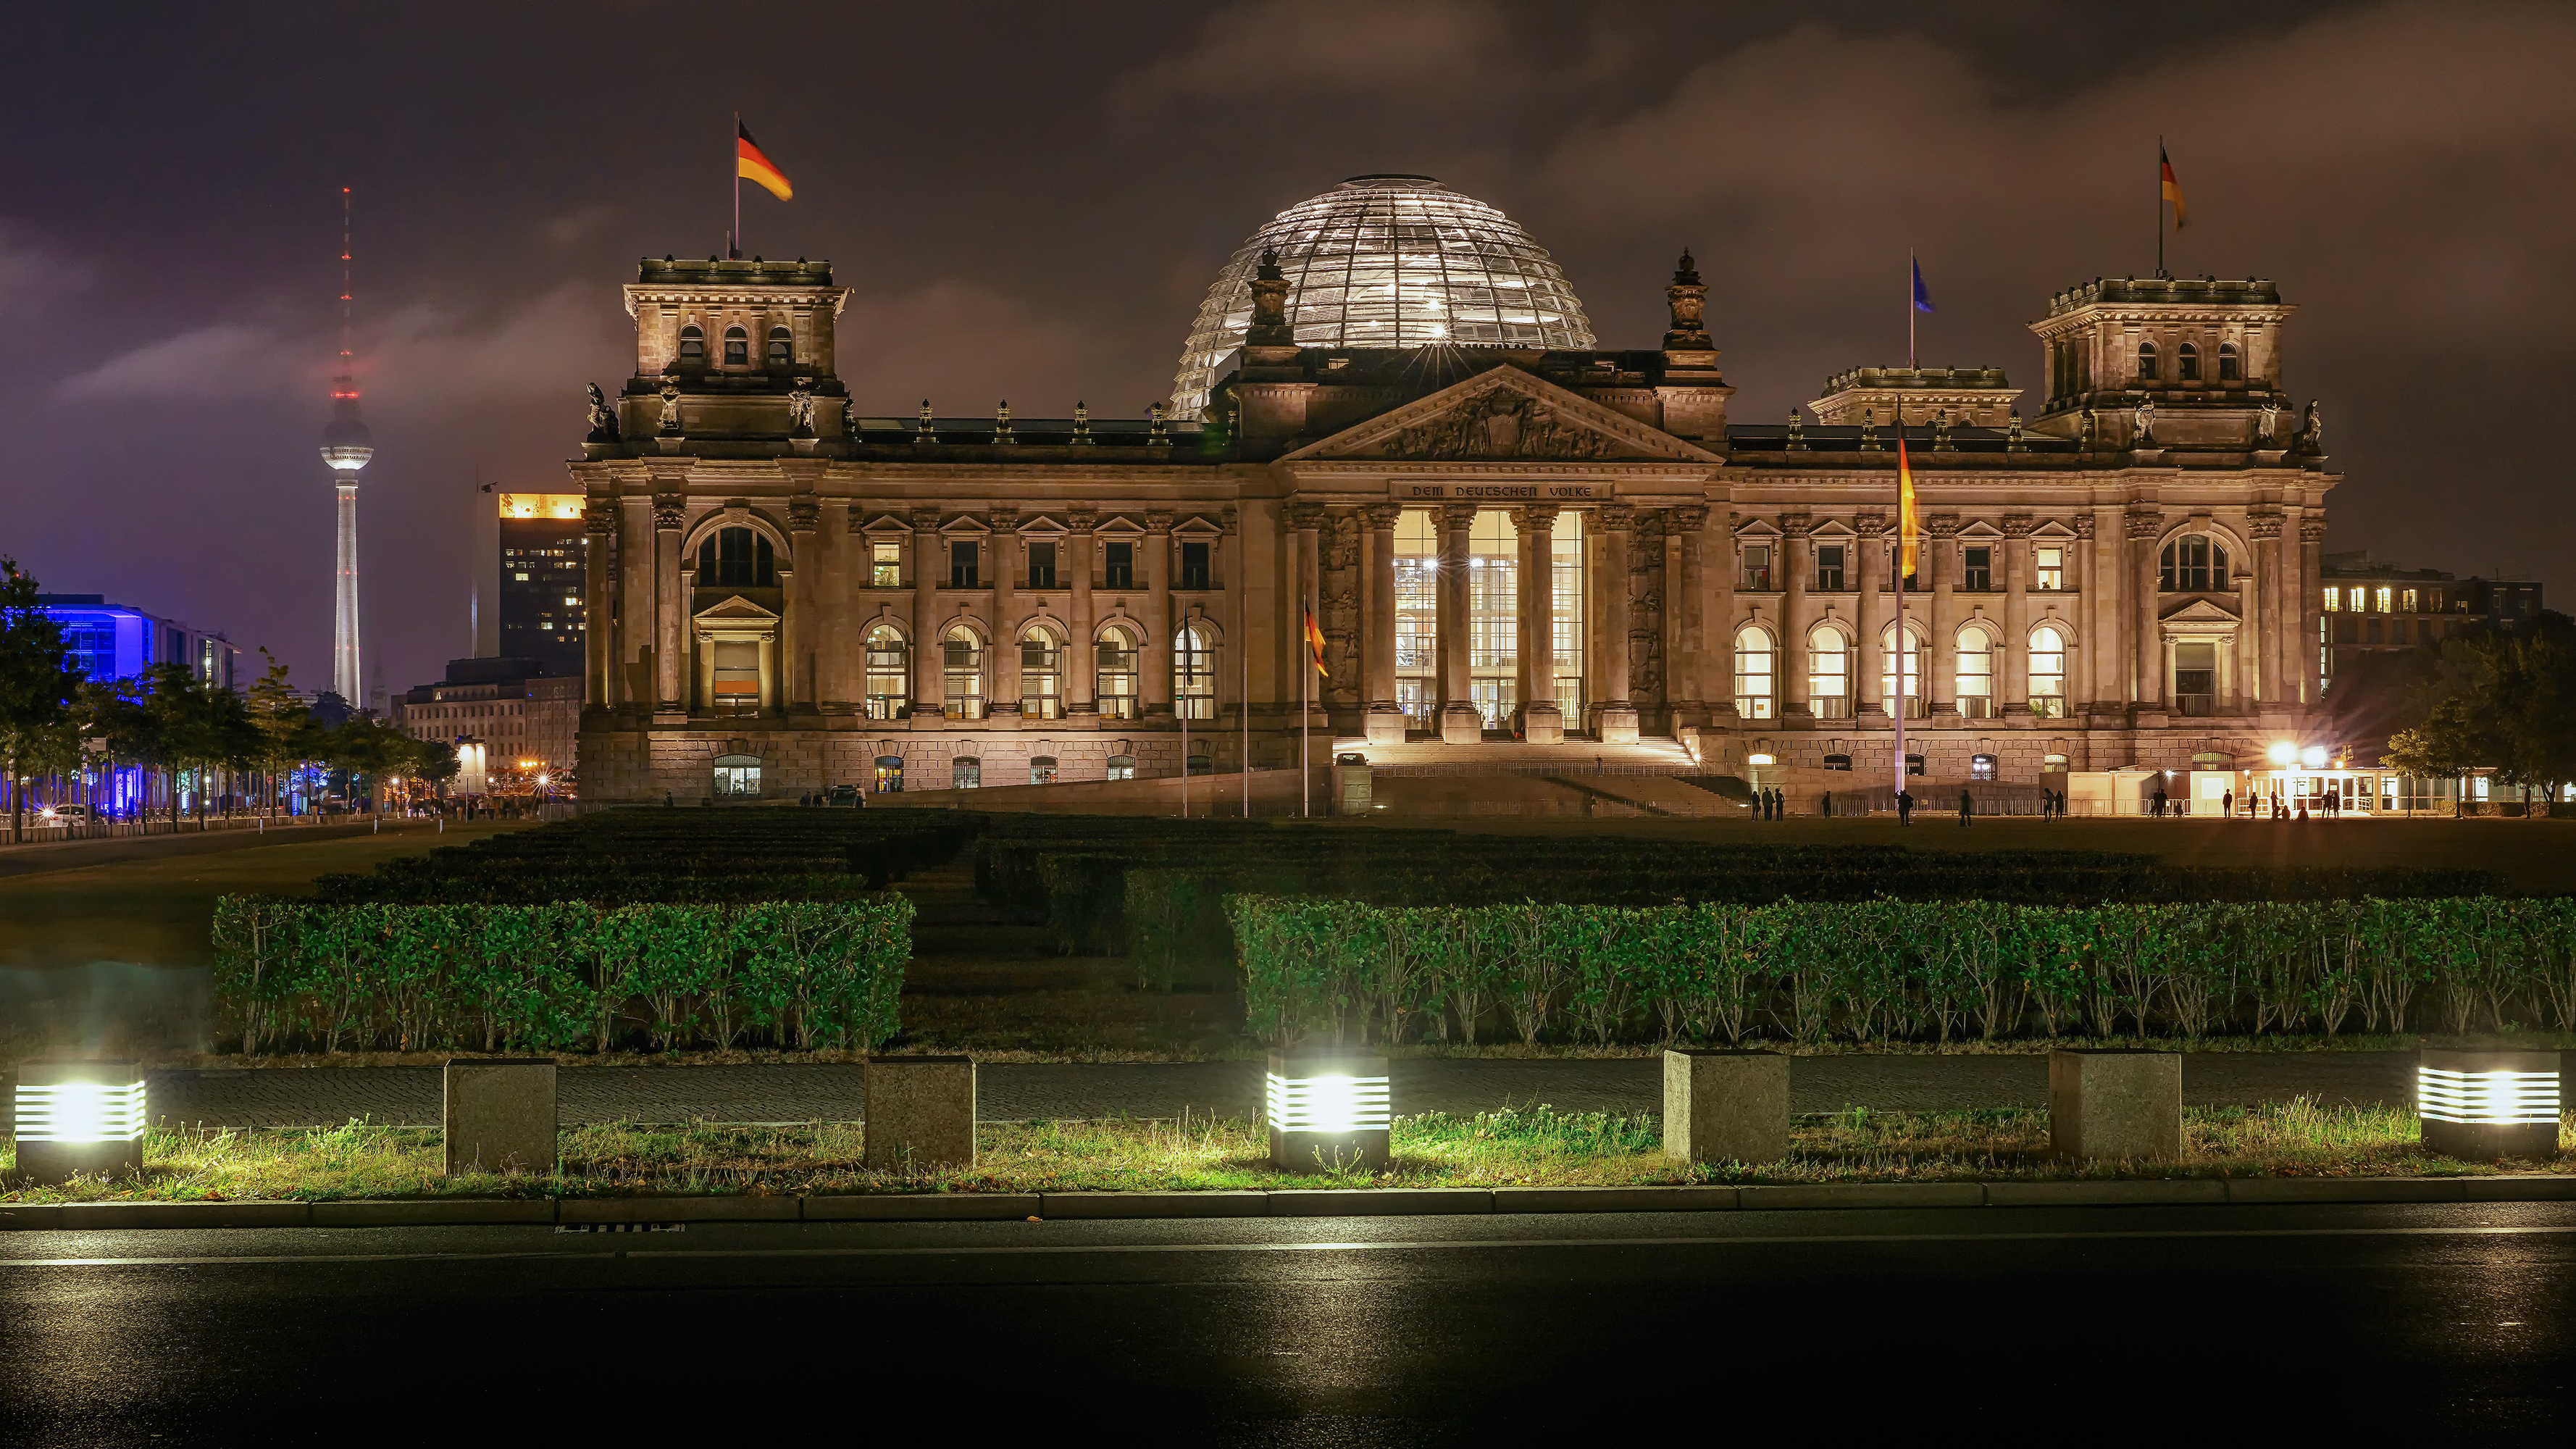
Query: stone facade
783, 583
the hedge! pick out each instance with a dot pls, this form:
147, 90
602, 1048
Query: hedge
562, 976
1888, 969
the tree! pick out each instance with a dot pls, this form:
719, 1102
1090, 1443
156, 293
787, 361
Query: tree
37, 684
283, 723
2502, 699
169, 718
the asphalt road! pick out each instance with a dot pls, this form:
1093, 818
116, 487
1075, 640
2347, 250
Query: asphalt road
1019, 1091
2449, 1323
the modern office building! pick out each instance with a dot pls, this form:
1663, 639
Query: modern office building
513, 725
1392, 414
2371, 606
543, 549
114, 641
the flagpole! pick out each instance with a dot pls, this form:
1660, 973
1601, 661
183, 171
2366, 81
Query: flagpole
1897, 574
1305, 677
2160, 206
1910, 364
733, 239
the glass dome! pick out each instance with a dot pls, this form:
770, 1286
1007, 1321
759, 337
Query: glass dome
1388, 261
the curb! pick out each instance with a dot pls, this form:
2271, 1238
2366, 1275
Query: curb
1284, 1203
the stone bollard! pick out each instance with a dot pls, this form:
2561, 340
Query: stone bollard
2115, 1102
2482, 1105
920, 1113
500, 1114
78, 1116
1726, 1106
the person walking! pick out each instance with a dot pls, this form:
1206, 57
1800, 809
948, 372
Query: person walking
1827, 807
1967, 807
1904, 807
2160, 802
2226, 804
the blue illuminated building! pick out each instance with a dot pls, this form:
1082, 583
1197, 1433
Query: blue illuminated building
112, 641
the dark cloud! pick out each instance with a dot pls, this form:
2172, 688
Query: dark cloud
1029, 202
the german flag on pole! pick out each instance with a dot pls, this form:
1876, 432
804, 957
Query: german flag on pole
1908, 528
2172, 189
1315, 644
751, 163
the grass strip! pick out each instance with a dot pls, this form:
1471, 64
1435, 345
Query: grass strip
1520, 1147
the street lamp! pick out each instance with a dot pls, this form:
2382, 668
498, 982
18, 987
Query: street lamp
79, 1116
2284, 754
2488, 1104
1327, 1111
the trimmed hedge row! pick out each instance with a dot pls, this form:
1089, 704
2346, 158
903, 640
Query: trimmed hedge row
561, 976
1888, 969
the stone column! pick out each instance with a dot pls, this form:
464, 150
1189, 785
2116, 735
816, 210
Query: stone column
2312, 538
1154, 672
1307, 520
2012, 674
598, 607
2267, 621
1233, 663
1940, 561
2080, 576
1542, 718
2149, 660
1618, 718
1385, 720
801, 637
638, 614
1460, 724
1005, 564
1717, 620
2107, 580
670, 608
929, 569
1685, 617
1795, 569
1081, 679
1869, 658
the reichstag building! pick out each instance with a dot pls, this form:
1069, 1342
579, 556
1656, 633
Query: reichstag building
1392, 405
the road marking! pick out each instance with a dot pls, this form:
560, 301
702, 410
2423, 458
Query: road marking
1385, 1246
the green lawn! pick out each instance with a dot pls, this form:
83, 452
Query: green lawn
1535, 1147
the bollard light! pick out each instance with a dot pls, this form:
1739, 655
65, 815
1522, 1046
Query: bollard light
79, 1116
1328, 1110
2488, 1104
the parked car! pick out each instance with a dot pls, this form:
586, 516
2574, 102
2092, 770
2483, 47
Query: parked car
64, 814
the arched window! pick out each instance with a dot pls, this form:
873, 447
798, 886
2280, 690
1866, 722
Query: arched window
693, 346
1838, 762
1041, 769
2229, 369
2047, 673
1828, 673
2187, 363
1981, 767
781, 346
1117, 674
965, 772
1202, 759
2146, 362
962, 696
889, 775
1976, 674
737, 558
737, 777
1916, 706
2194, 563
1914, 764
1194, 674
1122, 767
1041, 679
889, 668
737, 351
1753, 674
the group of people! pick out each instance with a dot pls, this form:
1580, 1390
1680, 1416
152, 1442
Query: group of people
1771, 804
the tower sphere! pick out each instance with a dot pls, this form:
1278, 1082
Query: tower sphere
1388, 261
346, 443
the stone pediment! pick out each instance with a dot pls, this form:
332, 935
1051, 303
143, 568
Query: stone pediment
2202, 610
735, 609
1502, 415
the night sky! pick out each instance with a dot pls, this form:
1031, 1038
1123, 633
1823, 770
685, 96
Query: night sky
1030, 201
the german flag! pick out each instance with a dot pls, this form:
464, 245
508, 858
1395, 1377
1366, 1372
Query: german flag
750, 162
2171, 189
1315, 643
1908, 525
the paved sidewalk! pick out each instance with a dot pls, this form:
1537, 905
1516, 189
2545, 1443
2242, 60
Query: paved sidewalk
409, 1096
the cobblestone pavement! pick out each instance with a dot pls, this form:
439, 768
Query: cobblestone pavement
403, 1096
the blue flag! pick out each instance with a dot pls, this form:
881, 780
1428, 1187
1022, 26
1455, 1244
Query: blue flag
1922, 298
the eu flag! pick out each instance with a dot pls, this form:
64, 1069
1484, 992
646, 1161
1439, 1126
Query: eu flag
1922, 298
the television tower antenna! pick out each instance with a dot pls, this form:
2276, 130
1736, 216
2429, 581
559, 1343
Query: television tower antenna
347, 447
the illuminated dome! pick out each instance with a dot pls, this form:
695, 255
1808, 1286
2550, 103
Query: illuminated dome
1388, 261
346, 444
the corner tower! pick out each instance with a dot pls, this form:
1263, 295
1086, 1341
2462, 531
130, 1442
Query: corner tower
2204, 352
732, 359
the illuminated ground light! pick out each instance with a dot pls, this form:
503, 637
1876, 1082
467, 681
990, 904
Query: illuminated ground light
79, 1116
1327, 1111
2488, 1104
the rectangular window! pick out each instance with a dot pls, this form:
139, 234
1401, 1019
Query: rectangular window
2334, 600
1829, 568
2408, 606
1829, 678
1042, 566
961, 566
885, 564
2196, 678
2383, 600
1979, 573
1039, 697
1494, 616
1976, 678
1194, 565
1417, 567
2051, 568
2355, 602
1756, 575
1565, 612
1753, 675
1118, 566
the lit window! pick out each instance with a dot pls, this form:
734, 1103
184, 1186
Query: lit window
1981, 767
1122, 767
885, 564
2408, 607
1976, 675
2385, 594
1756, 575
1753, 662
2051, 568
1916, 706
1194, 673
963, 671
2334, 600
2354, 603
2047, 672
1829, 673
519, 578
889, 678
1116, 675
1041, 695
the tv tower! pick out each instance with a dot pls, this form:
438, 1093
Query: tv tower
346, 446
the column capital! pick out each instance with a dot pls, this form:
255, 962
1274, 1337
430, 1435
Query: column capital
1870, 525
1381, 517
600, 518
2263, 524
1457, 515
1004, 518
1942, 525
1690, 517
670, 510
1536, 517
1615, 518
1797, 525
2145, 523
1081, 518
2017, 525
2084, 525
1158, 520
2312, 530
804, 510
1300, 516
